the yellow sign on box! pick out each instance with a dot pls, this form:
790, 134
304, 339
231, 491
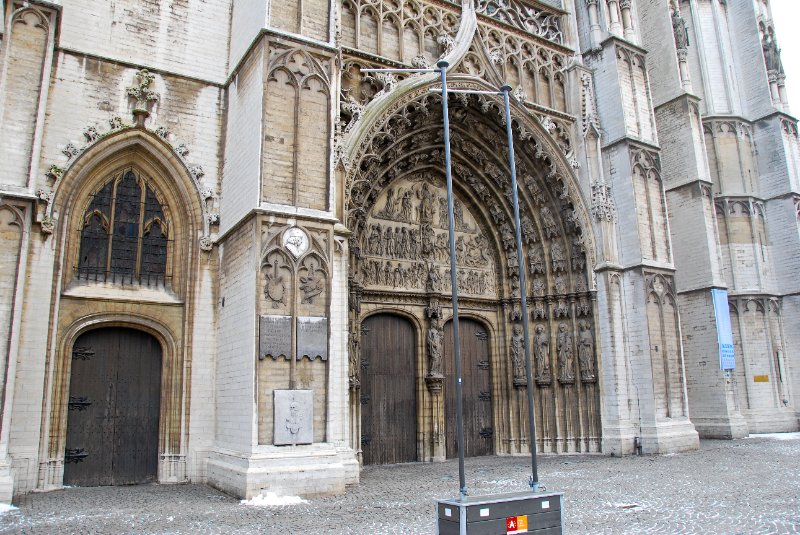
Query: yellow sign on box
761, 378
517, 524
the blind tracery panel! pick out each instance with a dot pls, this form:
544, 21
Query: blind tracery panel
124, 234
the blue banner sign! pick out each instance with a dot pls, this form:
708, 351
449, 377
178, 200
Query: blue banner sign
727, 361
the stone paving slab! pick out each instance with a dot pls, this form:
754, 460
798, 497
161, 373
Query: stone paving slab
749, 486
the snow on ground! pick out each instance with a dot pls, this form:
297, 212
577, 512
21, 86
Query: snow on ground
776, 436
270, 499
5, 508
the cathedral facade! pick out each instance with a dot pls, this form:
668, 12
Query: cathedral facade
225, 246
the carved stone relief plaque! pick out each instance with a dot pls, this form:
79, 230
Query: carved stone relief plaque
406, 242
294, 417
274, 337
312, 337
295, 240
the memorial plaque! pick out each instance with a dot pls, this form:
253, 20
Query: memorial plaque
275, 337
294, 417
312, 337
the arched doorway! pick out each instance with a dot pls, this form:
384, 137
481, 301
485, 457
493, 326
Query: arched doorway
476, 386
114, 407
388, 394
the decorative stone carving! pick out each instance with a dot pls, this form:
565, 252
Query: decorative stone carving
566, 375
680, 30
586, 352
541, 354
354, 359
558, 257
295, 240
294, 417
143, 94
275, 280
312, 283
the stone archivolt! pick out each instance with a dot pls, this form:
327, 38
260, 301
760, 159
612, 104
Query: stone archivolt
396, 208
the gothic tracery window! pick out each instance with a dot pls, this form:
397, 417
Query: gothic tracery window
124, 233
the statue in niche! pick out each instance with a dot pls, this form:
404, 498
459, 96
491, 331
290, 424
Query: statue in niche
772, 55
565, 355
513, 266
557, 256
507, 235
578, 258
353, 359
541, 354
562, 309
406, 207
560, 284
313, 284
442, 249
275, 287
427, 205
535, 261
583, 307
435, 349
388, 242
539, 310
518, 356
586, 352
549, 222
539, 287
528, 230
680, 30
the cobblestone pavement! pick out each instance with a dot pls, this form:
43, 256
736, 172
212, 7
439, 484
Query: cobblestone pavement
749, 486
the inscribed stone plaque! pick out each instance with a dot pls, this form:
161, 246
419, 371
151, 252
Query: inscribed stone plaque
294, 417
312, 337
275, 337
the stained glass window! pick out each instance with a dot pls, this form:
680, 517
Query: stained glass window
124, 233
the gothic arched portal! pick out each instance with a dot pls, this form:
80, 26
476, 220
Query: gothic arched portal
395, 203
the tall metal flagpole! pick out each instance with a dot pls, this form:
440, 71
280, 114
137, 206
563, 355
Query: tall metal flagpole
534, 479
453, 284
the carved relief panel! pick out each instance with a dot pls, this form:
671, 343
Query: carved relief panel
406, 243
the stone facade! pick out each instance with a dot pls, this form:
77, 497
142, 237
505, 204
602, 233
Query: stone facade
287, 197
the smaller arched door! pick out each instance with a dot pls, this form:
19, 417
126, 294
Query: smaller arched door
114, 406
476, 386
388, 393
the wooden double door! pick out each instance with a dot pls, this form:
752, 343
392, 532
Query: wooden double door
114, 407
389, 412
477, 389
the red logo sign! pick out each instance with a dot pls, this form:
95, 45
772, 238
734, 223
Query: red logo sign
517, 524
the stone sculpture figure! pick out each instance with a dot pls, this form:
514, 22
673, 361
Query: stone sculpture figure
388, 242
353, 360
427, 205
541, 354
565, 355
518, 356
586, 352
772, 55
406, 207
680, 30
435, 349
558, 258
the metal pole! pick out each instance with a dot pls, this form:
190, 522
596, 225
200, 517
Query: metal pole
523, 290
453, 284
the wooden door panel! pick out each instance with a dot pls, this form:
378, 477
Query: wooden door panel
476, 386
112, 422
388, 398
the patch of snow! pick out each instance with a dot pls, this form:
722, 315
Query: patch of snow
270, 499
776, 436
5, 508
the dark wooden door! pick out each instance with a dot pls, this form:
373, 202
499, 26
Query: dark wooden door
114, 405
477, 387
388, 397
